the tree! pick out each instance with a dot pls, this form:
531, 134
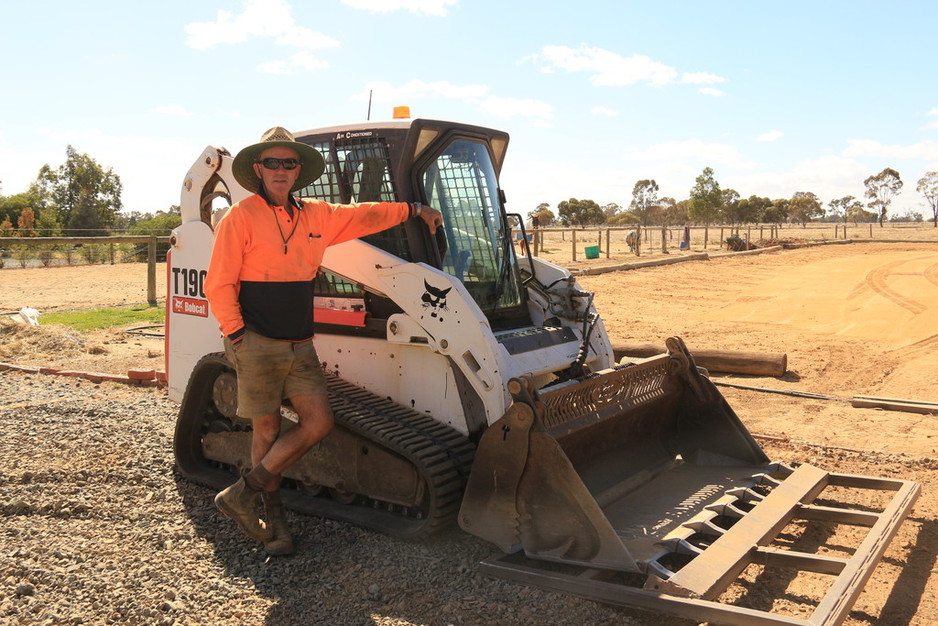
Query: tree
160, 225
644, 201
928, 187
12, 206
543, 214
85, 196
615, 216
26, 224
777, 212
729, 205
845, 207
881, 189
671, 212
706, 199
610, 211
580, 212
752, 209
804, 206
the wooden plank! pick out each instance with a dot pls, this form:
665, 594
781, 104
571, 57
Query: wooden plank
894, 404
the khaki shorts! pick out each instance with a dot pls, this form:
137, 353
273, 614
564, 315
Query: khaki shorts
270, 370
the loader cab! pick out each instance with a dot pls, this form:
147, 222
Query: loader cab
451, 167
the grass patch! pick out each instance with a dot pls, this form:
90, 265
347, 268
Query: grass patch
105, 317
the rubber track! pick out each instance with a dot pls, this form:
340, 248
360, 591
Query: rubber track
441, 455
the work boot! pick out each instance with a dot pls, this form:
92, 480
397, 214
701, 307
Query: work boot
239, 503
282, 543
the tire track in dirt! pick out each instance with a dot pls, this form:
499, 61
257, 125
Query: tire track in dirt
928, 344
931, 274
877, 280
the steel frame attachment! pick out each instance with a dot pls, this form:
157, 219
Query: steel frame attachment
694, 589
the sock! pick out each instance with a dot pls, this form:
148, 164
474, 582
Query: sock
259, 479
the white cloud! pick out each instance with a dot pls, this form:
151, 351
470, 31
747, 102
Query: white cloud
610, 69
603, 111
302, 60
710, 91
712, 153
772, 135
259, 19
927, 150
174, 109
420, 7
701, 78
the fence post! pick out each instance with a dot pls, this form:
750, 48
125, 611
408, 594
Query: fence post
151, 271
608, 246
573, 238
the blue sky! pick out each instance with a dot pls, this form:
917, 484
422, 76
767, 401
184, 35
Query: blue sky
776, 97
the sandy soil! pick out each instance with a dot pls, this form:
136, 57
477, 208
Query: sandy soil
855, 319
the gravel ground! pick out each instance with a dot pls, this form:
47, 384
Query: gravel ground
99, 529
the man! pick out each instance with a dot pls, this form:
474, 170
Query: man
267, 252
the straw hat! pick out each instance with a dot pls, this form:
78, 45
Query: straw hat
311, 162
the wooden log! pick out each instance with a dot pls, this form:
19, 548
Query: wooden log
725, 361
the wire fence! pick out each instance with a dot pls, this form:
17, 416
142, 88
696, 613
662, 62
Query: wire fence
24, 252
598, 244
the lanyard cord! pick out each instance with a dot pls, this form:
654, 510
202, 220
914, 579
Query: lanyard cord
296, 216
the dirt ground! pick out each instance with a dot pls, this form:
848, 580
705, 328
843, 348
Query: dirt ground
854, 319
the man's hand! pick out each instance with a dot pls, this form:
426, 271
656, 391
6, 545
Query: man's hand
432, 217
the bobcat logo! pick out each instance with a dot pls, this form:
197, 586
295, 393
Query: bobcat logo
435, 300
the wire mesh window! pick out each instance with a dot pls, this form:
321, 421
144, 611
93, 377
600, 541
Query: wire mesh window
462, 184
359, 170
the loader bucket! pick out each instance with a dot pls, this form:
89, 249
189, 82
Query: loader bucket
645, 469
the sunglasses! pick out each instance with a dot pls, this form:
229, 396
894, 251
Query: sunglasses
272, 163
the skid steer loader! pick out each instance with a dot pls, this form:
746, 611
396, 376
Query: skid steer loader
473, 384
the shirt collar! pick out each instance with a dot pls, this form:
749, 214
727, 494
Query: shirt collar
295, 203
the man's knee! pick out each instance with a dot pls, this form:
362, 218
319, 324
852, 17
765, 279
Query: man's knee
267, 427
315, 417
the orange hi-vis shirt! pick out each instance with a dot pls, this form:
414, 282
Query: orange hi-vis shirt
264, 262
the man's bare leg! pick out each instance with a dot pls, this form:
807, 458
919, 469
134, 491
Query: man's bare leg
276, 451
272, 452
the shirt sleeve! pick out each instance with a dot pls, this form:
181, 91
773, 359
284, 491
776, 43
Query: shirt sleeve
222, 283
344, 222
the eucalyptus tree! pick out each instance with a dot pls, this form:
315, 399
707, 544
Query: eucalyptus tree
928, 187
706, 198
881, 189
644, 201
845, 207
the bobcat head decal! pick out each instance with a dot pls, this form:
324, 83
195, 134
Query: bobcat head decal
435, 300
